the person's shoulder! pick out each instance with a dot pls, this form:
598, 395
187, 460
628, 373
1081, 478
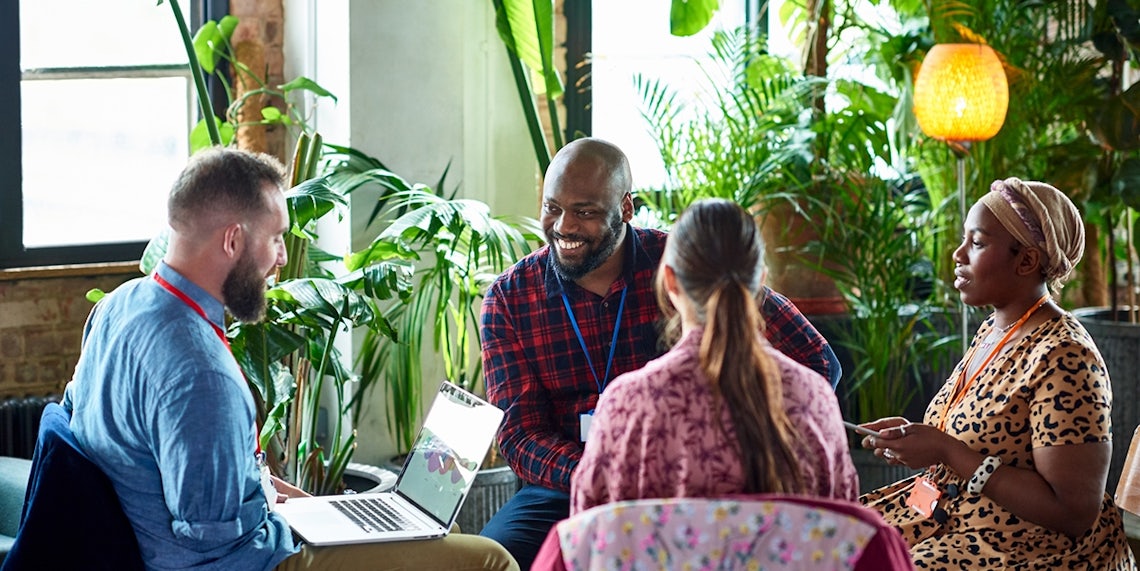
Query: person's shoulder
1063, 334
797, 378
668, 371
651, 239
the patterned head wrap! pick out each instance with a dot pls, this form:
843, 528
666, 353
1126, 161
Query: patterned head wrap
1042, 217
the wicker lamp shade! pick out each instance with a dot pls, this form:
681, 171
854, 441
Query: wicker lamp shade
961, 93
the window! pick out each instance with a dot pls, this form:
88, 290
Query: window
601, 100
104, 102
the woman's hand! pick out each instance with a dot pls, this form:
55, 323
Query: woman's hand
909, 444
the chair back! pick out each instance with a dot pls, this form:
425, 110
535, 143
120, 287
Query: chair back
770, 532
1127, 495
72, 518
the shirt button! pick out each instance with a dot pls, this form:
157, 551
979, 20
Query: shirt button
606, 304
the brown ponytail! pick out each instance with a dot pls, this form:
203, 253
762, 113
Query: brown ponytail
716, 252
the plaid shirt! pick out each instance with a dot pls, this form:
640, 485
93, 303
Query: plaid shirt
535, 368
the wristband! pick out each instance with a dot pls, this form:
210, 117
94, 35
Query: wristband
982, 475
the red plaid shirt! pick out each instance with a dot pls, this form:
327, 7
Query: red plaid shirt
536, 371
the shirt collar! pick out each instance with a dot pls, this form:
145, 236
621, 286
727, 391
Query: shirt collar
635, 258
214, 308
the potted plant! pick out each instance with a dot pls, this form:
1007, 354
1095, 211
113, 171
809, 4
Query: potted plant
895, 341
287, 358
459, 247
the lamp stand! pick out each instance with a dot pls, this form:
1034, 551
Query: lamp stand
961, 148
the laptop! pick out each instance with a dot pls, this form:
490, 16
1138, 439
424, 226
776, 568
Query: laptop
435, 479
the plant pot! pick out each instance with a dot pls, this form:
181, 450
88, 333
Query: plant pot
1119, 344
492, 488
874, 472
365, 478
786, 233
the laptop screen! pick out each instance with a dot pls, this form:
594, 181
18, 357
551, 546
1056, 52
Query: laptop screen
441, 467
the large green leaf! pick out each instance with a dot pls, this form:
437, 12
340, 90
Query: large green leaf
687, 17
259, 348
305, 84
311, 200
527, 28
323, 303
200, 135
1126, 182
210, 41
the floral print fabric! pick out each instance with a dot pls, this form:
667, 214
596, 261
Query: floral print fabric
712, 534
657, 434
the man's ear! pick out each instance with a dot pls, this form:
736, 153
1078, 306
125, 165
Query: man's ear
233, 241
627, 207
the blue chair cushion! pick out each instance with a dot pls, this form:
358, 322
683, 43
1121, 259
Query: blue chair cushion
72, 518
14, 474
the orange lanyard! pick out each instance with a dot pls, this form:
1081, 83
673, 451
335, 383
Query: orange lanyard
961, 389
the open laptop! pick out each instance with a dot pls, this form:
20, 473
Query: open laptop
436, 478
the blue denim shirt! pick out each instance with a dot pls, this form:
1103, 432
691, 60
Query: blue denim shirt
159, 403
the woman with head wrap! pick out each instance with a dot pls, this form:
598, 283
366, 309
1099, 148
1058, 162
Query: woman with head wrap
1015, 447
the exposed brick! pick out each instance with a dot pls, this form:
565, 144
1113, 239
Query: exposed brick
271, 33
43, 343
7, 377
248, 30
28, 313
11, 344
26, 374
75, 310
265, 8
54, 372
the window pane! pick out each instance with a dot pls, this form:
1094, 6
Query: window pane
621, 50
102, 33
99, 157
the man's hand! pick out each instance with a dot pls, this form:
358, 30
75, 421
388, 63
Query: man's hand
285, 490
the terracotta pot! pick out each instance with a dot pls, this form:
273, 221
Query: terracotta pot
786, 232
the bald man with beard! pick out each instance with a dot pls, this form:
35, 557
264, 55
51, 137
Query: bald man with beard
562, 322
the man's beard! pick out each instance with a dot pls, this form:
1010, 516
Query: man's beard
244, 291
606, 246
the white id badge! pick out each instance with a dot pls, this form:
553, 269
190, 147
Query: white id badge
584, 421
268, 488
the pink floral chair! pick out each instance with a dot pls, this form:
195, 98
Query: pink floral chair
769, 532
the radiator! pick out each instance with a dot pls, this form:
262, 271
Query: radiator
19, 424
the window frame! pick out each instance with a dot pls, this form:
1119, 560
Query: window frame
13, 252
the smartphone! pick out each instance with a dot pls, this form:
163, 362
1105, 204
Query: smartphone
860, 430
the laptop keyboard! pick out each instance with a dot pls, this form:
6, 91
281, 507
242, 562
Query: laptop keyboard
373, 515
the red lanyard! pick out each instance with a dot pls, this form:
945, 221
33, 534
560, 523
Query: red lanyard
193, 305
181, 295
961, 388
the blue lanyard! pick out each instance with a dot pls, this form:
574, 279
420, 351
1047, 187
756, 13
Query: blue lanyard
581, 341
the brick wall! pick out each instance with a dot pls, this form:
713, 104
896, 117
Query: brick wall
259, 44
41, 321
42, 311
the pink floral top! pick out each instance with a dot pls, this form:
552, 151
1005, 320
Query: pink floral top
654, 435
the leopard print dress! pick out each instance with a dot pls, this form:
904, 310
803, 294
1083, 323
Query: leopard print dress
1050, 389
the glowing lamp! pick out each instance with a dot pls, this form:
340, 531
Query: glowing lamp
961, 96
961, 93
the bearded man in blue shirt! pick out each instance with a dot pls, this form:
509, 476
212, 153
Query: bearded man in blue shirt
160, 405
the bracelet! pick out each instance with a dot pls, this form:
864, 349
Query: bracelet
982, 475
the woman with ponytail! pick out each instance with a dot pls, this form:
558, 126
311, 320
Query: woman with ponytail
722, 412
